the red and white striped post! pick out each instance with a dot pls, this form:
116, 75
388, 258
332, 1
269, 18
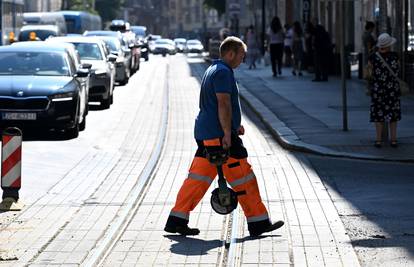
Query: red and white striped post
11, 169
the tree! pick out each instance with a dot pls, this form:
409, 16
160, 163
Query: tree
108, 9
219, 5
85, 5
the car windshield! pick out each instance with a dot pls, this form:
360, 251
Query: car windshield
193, 42
113, 44
139, 31
41, 34
33, 63
89, 51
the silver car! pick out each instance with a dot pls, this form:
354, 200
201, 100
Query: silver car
102, 80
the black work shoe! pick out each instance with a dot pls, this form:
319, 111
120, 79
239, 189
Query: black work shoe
183, 230
270, 228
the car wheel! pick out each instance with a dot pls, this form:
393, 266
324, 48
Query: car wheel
106, 103
146, 58
111, 99
125, 80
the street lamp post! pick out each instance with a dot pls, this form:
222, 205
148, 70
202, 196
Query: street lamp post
343, 73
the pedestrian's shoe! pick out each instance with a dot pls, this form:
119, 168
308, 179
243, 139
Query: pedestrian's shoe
271, 227
394, 144
378, 144
182, 230
300, 74
294, 73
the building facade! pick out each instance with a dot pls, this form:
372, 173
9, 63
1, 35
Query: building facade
42, 5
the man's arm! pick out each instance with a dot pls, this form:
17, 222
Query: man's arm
224, 113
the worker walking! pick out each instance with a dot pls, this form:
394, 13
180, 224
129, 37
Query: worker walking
218, 126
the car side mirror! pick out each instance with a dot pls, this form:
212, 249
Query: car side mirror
86, 66
82, 73
115, 53
112, 58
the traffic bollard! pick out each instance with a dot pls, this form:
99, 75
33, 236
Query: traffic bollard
11, 168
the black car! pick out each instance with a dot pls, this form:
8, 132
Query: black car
41, 86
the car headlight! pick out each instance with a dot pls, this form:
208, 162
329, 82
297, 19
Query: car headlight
62, 97
100, 73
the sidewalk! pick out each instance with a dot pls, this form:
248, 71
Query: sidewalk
307, 116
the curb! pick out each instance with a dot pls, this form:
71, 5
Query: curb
290, 141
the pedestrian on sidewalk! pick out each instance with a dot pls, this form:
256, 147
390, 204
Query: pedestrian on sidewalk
308, 61
288, 45
298, 42
276, 42
218, 126
322, 47
385, 95
368, 41
252, 47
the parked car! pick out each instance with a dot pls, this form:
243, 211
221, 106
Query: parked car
141, 36
129, 36
122, 70
164, 46
38, 32
194, 46
151, 41
125, 46
180, 43
41, 86
93, 51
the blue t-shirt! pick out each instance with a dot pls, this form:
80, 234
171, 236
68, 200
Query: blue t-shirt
218, 78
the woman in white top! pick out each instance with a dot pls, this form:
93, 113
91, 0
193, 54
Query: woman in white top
276, 42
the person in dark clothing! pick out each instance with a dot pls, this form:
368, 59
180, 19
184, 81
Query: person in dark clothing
309, 54
276, 42
322, 46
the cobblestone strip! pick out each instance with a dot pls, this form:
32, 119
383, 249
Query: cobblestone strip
144, 243
41, 223
89, 224
313, 234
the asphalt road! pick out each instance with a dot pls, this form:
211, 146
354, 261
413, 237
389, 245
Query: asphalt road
375, 202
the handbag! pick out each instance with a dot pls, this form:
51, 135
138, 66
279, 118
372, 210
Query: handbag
404, 87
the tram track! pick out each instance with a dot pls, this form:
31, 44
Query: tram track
230, 226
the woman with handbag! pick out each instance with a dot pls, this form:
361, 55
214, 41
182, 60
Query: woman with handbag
385, 94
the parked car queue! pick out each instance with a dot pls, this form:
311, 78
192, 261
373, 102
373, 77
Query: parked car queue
49, 84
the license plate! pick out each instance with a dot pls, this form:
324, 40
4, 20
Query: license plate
14, 116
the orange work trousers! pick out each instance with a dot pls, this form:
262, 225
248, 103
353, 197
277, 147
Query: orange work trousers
239, 175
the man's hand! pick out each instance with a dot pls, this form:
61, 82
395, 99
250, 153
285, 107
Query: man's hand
224, 113
240, 131
226, 141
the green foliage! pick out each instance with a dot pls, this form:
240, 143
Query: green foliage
84, 5
219, 5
